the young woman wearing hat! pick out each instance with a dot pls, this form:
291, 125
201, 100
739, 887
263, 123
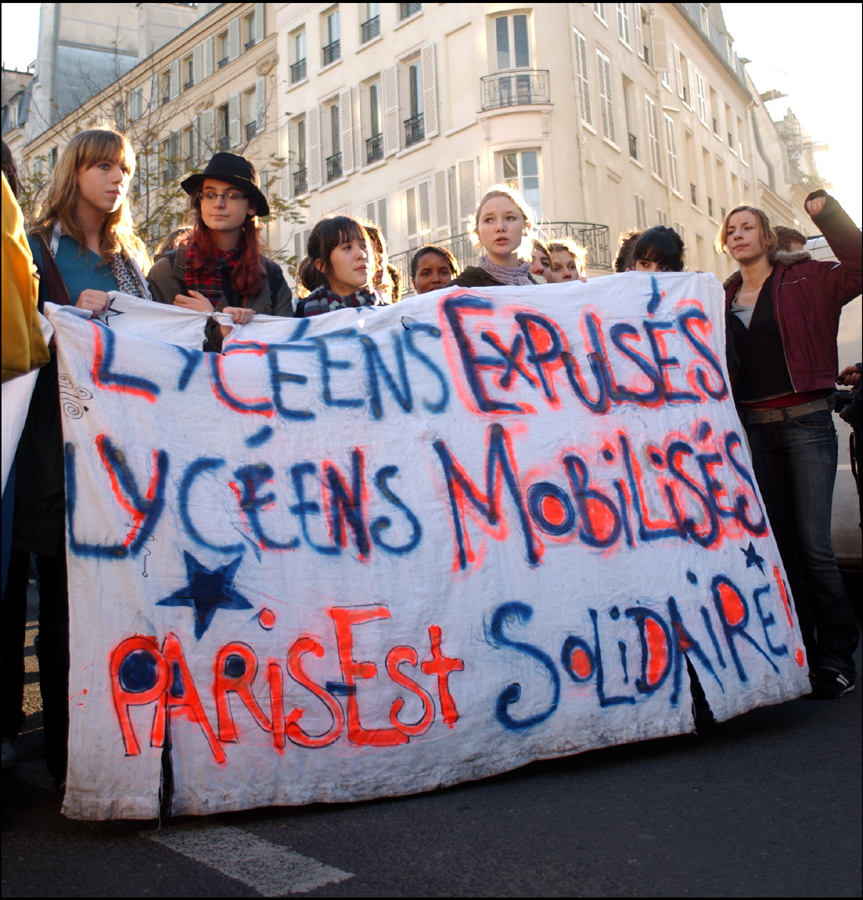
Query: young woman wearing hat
220, 267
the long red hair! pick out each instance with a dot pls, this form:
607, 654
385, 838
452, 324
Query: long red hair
247, 276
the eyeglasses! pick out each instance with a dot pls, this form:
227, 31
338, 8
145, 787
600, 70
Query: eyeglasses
228, 196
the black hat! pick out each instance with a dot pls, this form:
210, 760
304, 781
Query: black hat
236, 170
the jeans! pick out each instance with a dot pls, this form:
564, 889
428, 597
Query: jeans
795, 466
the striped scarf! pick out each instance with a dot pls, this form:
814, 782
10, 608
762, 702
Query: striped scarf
323, 300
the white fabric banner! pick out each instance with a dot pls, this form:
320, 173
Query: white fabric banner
382, 550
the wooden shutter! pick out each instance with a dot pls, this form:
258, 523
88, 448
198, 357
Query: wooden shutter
154, 91
347, 131
605, 100
260, 105
208, 132
424, 197
209, 50
198, 64
260, 11
623, 23
653, 133
136, 104
381, 219
441, 205
233, 38
468, 195
678, 72
660, 44
235, 129
371, 211
430, 117
639, 31
389, 84
671, 144
313, 139
194, 148
411, 217
583, 80
284, 155
174, 80
357, 127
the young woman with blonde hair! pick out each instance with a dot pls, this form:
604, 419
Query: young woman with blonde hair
501, 225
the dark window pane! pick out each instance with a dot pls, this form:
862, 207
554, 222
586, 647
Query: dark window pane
510, 167
502, 25
522, 46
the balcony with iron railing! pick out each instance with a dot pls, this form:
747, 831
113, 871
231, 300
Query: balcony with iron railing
334, 167
332, 52
374, 148
633, 145
301, 181
251, 130
414, 130
298, 71
595, 238
371, 29
250, 44
225, 142
520, 87
406, 10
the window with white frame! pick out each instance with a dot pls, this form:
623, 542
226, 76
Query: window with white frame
136, 103
371, 24
376, 211
653, 134
334, 159
297, 47
583, 77
640, 212
599, 11
661, 218
606, 103
332, 30
512, 42
671, 148
520, 170
682, 68
418, 214
623, 31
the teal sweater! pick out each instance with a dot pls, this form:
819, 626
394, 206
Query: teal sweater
80, 271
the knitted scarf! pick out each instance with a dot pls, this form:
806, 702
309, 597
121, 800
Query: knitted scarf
506, 274
322, 300
209, 281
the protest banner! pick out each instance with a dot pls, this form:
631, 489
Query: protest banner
383, 550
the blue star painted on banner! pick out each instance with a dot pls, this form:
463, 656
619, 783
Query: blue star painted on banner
105, 314
207, 591
752, 557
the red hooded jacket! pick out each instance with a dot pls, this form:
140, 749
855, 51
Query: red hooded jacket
808, 296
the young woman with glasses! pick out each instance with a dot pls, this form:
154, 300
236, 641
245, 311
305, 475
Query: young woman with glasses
220, 267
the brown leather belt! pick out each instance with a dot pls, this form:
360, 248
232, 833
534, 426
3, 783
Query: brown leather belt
783, 413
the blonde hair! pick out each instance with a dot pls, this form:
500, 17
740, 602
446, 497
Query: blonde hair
511, 194
578, 253
768, 235
117, 234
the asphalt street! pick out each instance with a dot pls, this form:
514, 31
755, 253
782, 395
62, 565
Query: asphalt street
767, 804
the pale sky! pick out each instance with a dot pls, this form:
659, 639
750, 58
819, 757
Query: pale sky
810, 52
